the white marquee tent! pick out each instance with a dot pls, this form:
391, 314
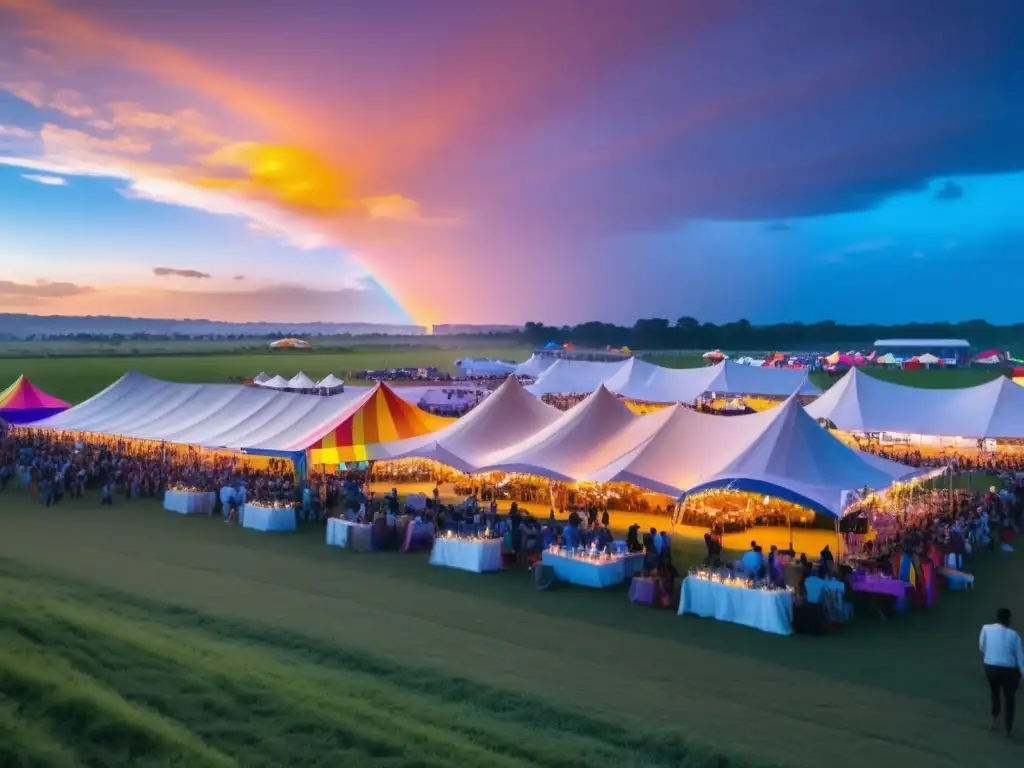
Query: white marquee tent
260, 377
535, 366
636, 379
277, 382
506, 417
782, 453
301, 381
861, 403
484, 367
210, 415
585, 437
330, 381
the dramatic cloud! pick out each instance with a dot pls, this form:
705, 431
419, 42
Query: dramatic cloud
949, 192
189, 273
14, 132
50, 181
41, 289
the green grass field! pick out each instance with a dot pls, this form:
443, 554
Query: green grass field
77, 378
131, 636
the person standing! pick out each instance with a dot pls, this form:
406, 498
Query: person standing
1004, 666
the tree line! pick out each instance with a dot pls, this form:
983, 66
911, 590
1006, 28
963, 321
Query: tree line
688, 333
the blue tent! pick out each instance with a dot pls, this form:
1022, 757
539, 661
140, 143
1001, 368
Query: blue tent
552, 345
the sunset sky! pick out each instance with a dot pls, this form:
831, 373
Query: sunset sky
501, 161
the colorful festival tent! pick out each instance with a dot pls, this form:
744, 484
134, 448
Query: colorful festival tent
23, 402
861, 403
378, 418
290, 344
783, 453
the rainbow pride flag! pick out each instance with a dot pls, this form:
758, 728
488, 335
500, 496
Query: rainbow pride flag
382, 417
23, 402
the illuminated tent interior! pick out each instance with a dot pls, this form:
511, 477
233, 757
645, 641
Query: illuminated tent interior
861, 403
23, 402
782, 453
504, 418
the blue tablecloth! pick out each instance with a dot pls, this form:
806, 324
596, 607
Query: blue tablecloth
597, 573
768, 611
190, 502
260, 518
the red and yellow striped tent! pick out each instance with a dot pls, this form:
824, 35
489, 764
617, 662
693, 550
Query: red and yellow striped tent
381, 417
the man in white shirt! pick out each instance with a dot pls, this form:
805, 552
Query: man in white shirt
1004, 666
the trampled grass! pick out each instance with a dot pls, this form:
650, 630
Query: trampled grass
133, 636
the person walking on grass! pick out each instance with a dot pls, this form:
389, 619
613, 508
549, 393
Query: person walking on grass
1004, 667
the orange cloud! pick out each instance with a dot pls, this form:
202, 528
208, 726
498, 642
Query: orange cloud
185, 126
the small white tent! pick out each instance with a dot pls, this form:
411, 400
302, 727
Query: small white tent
301, 381
474, 367
535, 366
330, 381
260, 377
278, 382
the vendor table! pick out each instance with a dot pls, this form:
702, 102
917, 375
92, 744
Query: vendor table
643, 591
766, 610
354, 536
190, 502
597, 573
882, 586
476, 555
260, 518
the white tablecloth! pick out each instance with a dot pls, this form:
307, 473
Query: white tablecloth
769, 611
591, 573
268, 518
342, 533
467, 555
189, 502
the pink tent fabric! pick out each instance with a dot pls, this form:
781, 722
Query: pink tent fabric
23, 402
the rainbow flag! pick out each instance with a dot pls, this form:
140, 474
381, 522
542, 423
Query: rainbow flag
23, 402
382, 417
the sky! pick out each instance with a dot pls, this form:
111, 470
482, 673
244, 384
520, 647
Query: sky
458, 161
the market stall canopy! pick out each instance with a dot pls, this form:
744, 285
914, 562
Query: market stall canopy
378, 418
585, 437
861, 403
260, 377
782, 453
887, 359
301, 381
928, 359
506, 417
535, 366
227, 416
278, 382
23, 403
715, 354
330, 381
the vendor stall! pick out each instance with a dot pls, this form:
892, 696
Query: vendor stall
729, 599
467, 553
190, 502
349, 535
267, 517
587, 568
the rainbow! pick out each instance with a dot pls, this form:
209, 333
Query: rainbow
23, 402
382, 417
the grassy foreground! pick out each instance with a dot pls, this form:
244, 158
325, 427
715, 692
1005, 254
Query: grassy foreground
133, 636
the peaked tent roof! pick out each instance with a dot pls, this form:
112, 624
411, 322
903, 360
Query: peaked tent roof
379, 417
587, 436
330, 381
301, 381
573, 377
211, 415
23, 402
278, 382
260, 377
861, 403
506, 417
535, 366
738, 379
639, 380
782, 452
